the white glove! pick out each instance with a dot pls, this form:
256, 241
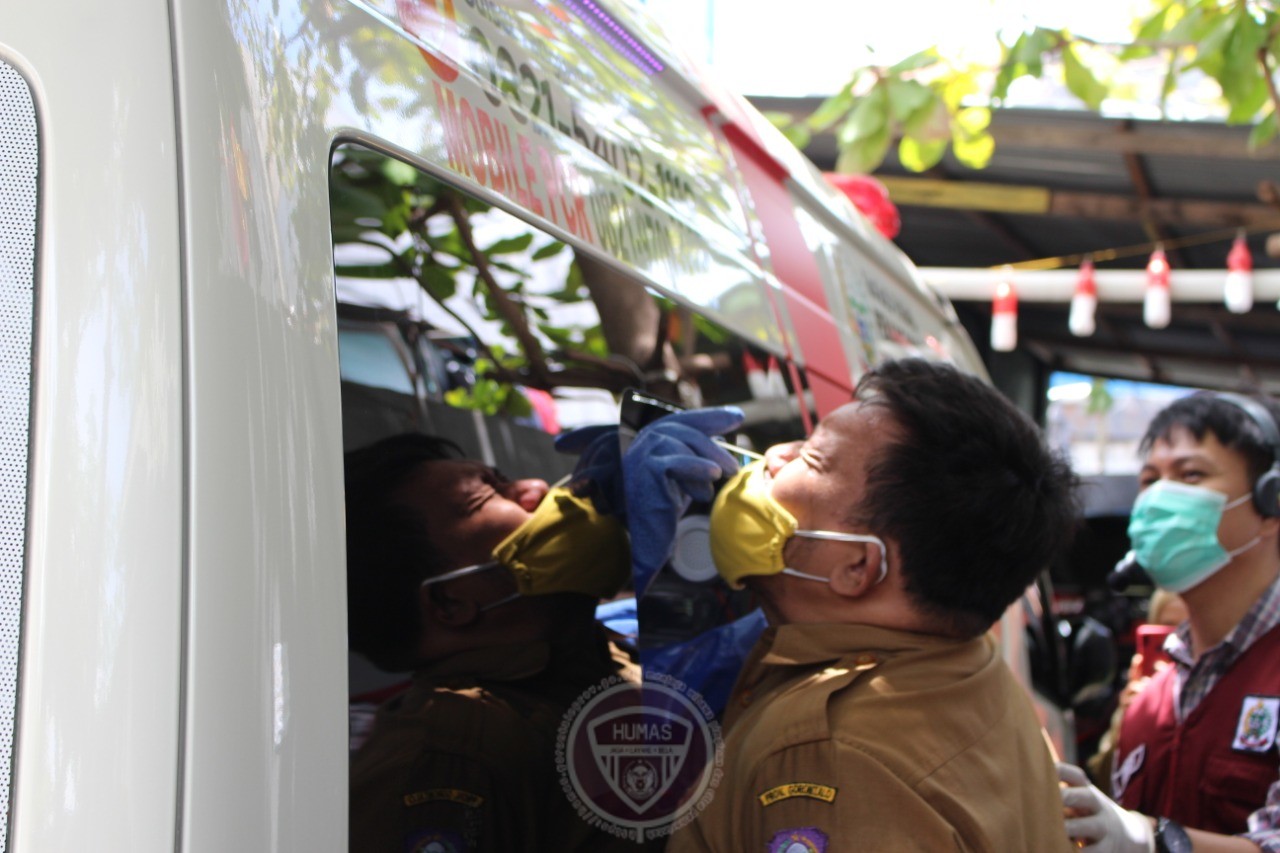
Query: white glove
1099, 820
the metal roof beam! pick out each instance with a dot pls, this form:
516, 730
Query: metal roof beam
1042, 201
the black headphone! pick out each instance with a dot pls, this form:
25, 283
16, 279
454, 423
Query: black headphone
1266, 491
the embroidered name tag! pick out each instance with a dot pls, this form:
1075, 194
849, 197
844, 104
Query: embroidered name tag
798, 789
1256, 730
452, 795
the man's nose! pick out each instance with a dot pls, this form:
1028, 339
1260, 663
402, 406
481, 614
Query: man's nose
528, 493
780, 454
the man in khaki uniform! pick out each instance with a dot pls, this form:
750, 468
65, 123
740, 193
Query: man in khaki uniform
875, 714
465, 760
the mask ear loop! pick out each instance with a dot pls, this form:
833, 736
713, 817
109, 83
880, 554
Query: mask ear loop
461, 573
471, 570
833, 536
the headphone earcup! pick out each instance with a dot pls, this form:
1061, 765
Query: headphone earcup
1266, 493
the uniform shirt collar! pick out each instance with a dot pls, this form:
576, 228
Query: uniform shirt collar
814, 643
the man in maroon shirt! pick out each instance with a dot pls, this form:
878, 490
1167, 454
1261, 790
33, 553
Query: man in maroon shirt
1197, 767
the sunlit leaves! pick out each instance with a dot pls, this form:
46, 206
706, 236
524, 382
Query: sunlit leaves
971, 142
919, 100
1080, 79
1263, 132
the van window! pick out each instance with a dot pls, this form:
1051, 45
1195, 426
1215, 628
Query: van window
465, 321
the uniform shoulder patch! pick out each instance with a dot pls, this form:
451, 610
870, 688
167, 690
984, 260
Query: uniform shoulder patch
451, 795
802, 839
1256, 729
798, 789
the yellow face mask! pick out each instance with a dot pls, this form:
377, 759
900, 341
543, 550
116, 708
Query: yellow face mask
566, 546
749, 530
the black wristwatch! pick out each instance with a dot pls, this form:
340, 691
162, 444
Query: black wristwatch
1171, 837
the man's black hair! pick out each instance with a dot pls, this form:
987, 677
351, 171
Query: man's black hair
1204, 413
389, 553
975, 499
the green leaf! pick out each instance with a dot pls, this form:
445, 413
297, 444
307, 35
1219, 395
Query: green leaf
1011, 68
973, 150
1194, 25
973, 120
516, 405
387, 270
919, 155
350, 203
1033, 48
870, 118
438, 282
777, 118
1148, 29
907, 96
399, 172
1250, 97
1263, 132
930, 123
831, 110
864, 153
1080, 79
510, 244
916, 61
798, 135
550, 250
1206, 27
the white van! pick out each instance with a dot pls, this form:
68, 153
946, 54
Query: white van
531, 206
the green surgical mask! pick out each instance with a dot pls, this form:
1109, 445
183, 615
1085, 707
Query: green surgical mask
1174, 531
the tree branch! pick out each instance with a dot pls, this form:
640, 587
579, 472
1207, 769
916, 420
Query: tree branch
1264, 60
502, 301
502, 371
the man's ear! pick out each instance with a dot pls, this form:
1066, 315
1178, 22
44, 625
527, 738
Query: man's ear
864, 567
441, 608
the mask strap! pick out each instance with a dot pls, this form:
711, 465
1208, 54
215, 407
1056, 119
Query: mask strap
461, 573
471, 570
833, 536
1235, 503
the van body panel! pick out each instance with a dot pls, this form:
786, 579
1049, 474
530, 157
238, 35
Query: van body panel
97, 738
265, 740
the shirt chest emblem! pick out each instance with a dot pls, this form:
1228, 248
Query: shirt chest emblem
1256, 728
802, 839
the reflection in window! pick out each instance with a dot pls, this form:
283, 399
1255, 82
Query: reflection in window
488, 315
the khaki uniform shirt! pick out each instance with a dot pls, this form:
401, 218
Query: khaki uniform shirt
465, 760
850, 738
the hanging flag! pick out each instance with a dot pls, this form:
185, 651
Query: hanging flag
1155, 301
1237, 292
1084, 302
1004, 316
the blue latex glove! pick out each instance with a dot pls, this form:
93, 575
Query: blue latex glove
671, 463
598, 474
711, 661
